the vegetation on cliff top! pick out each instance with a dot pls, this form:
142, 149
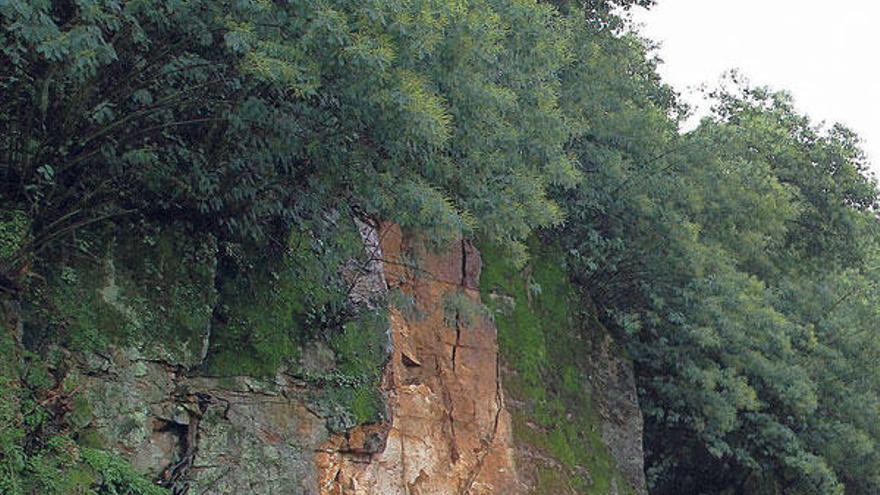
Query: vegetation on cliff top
736, 262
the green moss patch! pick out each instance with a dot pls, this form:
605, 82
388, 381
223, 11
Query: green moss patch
361, 351
261, 324
154, 290
269, 311
270, 304
545, 346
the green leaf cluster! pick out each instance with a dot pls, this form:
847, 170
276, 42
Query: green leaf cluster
247, 118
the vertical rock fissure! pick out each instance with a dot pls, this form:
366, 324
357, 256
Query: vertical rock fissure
403, 466
464, 262
463, 283
216, 312
450, 431
450, 412
177, 475
457, 339
487, 448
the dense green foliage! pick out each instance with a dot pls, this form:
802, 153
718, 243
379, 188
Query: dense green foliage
248, 117
719, 254
736, 262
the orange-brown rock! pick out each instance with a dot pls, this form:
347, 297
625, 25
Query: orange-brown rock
448, 431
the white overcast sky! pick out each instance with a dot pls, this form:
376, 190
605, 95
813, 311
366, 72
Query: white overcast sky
827, 54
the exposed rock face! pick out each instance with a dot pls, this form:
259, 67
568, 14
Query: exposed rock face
204, 435
449, 432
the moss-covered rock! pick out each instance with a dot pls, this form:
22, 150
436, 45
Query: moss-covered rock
273, 304
261, 325
546, 345
158, 340
355, 385
298, 311
153, 291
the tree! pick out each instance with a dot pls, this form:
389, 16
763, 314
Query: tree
698, 247
247, 117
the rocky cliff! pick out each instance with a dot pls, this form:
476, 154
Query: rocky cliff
499, 386
448, 431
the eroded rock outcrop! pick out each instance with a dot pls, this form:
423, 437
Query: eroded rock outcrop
574, 410
449, 432
201, 435
617, 403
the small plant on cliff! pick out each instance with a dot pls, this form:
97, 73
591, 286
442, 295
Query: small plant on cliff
459, 310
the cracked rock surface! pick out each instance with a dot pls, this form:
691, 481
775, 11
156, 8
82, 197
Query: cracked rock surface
449, 432
203, 435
